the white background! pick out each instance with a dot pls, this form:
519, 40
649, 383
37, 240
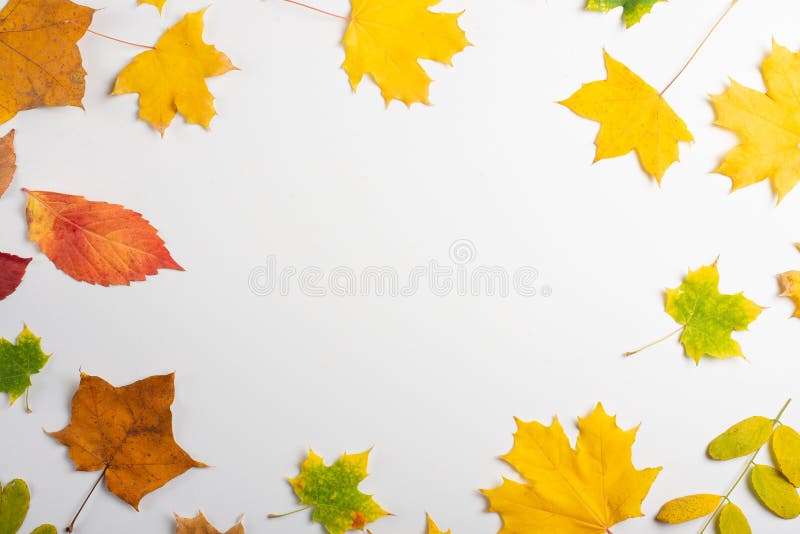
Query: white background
298, 167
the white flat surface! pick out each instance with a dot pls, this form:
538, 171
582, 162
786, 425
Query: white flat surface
297, 167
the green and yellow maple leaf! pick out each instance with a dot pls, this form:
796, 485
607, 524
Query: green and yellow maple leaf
18, 361
585, 490
632, 10
708, 316
333, 492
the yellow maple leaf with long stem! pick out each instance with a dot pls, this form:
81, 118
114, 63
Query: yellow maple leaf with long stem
767, 124
170, 78
586, 490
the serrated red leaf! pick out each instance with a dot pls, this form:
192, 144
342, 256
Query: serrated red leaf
95, 242
12, 270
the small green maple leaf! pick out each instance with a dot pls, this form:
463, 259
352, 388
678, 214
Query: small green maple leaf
18, 361
632, 10
333, 492
709, 317
15, 499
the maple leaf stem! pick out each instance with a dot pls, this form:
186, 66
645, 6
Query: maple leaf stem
700, 46
71, 526
750, 463
104, 36
27, 401
656, 342
318, 10
276, 516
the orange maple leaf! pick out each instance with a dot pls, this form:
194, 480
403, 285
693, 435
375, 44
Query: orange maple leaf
41, 63
127, 433
8, 161
95, 242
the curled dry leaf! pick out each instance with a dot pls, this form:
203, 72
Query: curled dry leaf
633, 117
583, 490
8, 161
632, 10
95, 242
12, 271
42, 65
200, 525
126, 432
170, 78
386, 39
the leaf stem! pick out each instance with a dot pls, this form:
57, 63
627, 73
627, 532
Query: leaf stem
104, 36
750, 462
318, 10
276, 516
27, 401
71, 526
656, 342
700, 46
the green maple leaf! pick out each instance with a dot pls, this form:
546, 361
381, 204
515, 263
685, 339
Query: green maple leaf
632, 10
709, 317
333, 492
18, 361
15, 499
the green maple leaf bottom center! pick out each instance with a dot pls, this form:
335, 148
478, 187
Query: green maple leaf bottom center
338, 503
709, 317
18, 362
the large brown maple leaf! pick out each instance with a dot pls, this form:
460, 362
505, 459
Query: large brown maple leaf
40, 64
127, 433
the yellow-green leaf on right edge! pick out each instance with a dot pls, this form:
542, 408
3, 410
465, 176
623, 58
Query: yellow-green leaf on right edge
786, 450
688, 508
743, 438
733, 521
709, 317
170, 78
633, 117
386, 39
766, 124
775, 492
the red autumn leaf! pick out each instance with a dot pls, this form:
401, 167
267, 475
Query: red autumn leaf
95, 242
8, 161
12, 269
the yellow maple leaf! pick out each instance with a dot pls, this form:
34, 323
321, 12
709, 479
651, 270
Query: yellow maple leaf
170, 78
386, 39
159, 4
586, 490
633, 116
433, 528
767, 124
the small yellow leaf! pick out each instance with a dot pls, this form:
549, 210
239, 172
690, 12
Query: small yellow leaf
633, 116
743, 438
786, 449
775, 492
688, 508
433, 529
790, 287
170, 79
733, 521
158, 3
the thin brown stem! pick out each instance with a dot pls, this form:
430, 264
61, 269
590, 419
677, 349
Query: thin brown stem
28, 401
656, 342
276, 516
71, 526
104, 36
700, 46
318, 10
